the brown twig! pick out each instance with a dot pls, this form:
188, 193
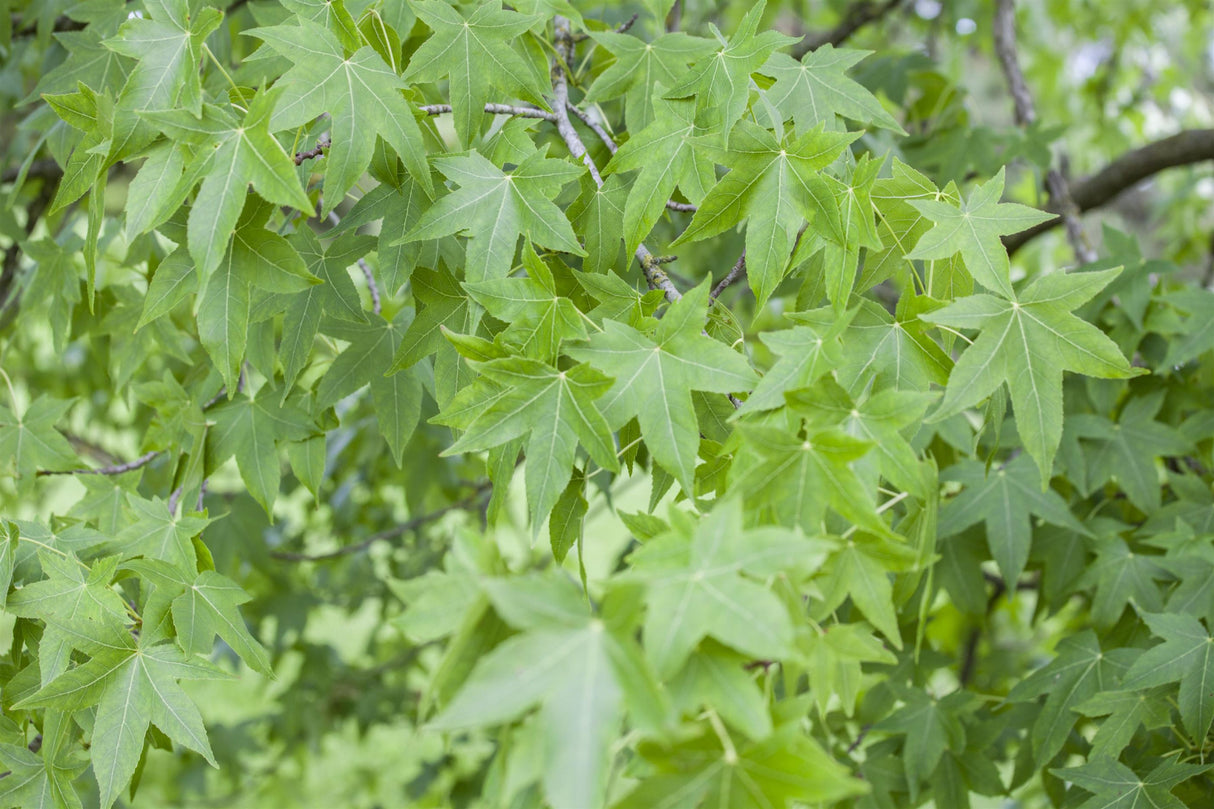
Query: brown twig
1182, 149
563, 41
1025, 113
391, 533
495, 109
316, 151
738, 270
113, 469
858, 15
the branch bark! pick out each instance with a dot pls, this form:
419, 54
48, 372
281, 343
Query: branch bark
563, 40
1025, 113
1182, 149
858, 15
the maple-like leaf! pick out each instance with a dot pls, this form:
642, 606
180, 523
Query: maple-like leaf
639, 66
132, 687
1004, 499
1116, 786
157, 533
774, 186
496, 207
360, 93
816, 89
558, 410
539, 317
230, 154
477, 52
1027, 342
30, 441
695, 588
1125, 451
168, 46
1080, 671
1187, 656
654, 376
973, 229
788, 768
667, 154
806, 353
721, 82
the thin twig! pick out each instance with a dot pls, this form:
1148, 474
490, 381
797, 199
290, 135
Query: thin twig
563, 40
372, 287
857, 15
597, 128
1025, 113
112, 469
738, 270
316, 151
391, 533
495, 109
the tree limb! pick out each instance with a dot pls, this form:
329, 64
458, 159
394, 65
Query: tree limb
858, 15
495, 109
650, 265
1004, 31
1182, 149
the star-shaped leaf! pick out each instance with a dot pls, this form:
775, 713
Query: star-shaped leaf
539, 318
805, 353
721, 82
696, 589
559, 411
1116, 786
230, 154
360, 93
156, 533
496, 207
1125, 450
639, 66
1004, 499
477, 52
1028, 342
30, 441
168, 47
1187, 656
816, 89
973, 229
132, 688
774, 186
654, 377
668, 155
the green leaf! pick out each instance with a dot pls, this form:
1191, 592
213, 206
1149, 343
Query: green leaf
251, 429
132, 689
775, 186
1028, 342
654, 377
557, 409
497, 207
1116, 786
815, 90
1187, 656
694, 590
806, 354
30, 440
1004, 500
229, 155
639, 66
360, 93
168, 48
668, 154
973, 229
477, 52
721, 82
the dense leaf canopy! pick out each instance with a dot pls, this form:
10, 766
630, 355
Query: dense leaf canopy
643, 403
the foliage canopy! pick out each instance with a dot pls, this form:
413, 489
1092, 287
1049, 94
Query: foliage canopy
632, 404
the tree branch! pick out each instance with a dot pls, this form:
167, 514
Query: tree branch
650, 265
858, 15
316, 151
1182, 149
495, 109
391, 533
1025, 113
112, 469
738, 270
